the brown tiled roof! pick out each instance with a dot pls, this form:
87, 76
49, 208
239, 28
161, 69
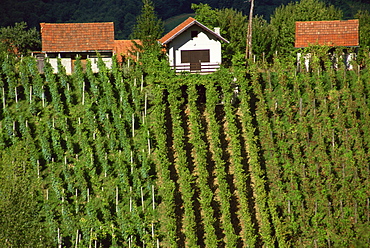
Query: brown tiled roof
77, 37
184, 26
124, 48
330, 33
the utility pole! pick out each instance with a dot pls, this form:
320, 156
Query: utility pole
248, 49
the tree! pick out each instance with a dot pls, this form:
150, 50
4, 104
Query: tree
148, 27
364, 18
284, 18
234, 25
19, 40
261, 40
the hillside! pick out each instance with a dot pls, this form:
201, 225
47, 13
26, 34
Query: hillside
123, 12
264, 157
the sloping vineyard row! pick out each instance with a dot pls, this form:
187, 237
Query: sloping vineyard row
87, 154
312, 134
119, 158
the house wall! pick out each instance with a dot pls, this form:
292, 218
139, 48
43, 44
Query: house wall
306, 60
67, 63
94, 63
185, 42
337, 60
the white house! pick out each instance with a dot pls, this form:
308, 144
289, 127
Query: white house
193, 47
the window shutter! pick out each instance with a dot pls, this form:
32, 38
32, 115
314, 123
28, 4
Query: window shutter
185, 56
204, 55
194, 56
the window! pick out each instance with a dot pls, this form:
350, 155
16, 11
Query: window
195, 56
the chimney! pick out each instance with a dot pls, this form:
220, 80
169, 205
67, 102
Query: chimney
217, 30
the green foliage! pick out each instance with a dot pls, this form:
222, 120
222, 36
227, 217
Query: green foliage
124, 12
186, 178
20, 209
268, 157
364, 18
19, 40
148, 27
284, 18
200, 149
212, 96
261, 38
233, 26
205, 14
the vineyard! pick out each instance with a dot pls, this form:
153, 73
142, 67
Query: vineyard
138, 157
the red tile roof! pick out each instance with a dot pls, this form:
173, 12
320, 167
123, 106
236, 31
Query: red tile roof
125, 48
77, 37
184, 26
330, 33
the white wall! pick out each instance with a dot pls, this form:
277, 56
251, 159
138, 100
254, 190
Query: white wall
67, 63
306, 60
346, 59
185, 42
94, 63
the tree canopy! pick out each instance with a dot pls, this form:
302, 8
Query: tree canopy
232, 24
269, 36
364, 18
284, 18
148, 27
124, 12
19, 40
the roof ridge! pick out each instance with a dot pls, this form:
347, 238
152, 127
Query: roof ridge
183, 26
68, 23
330, 20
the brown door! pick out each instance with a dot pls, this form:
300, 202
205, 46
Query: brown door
195, 57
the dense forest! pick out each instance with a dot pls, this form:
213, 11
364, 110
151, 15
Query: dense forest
124, 12
261, 153
270, 37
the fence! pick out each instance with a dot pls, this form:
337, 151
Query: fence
203, 68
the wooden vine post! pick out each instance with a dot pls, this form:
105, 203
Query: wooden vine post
116, 199
248, 49
16, 94
30, 93
3, 98
142, 198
